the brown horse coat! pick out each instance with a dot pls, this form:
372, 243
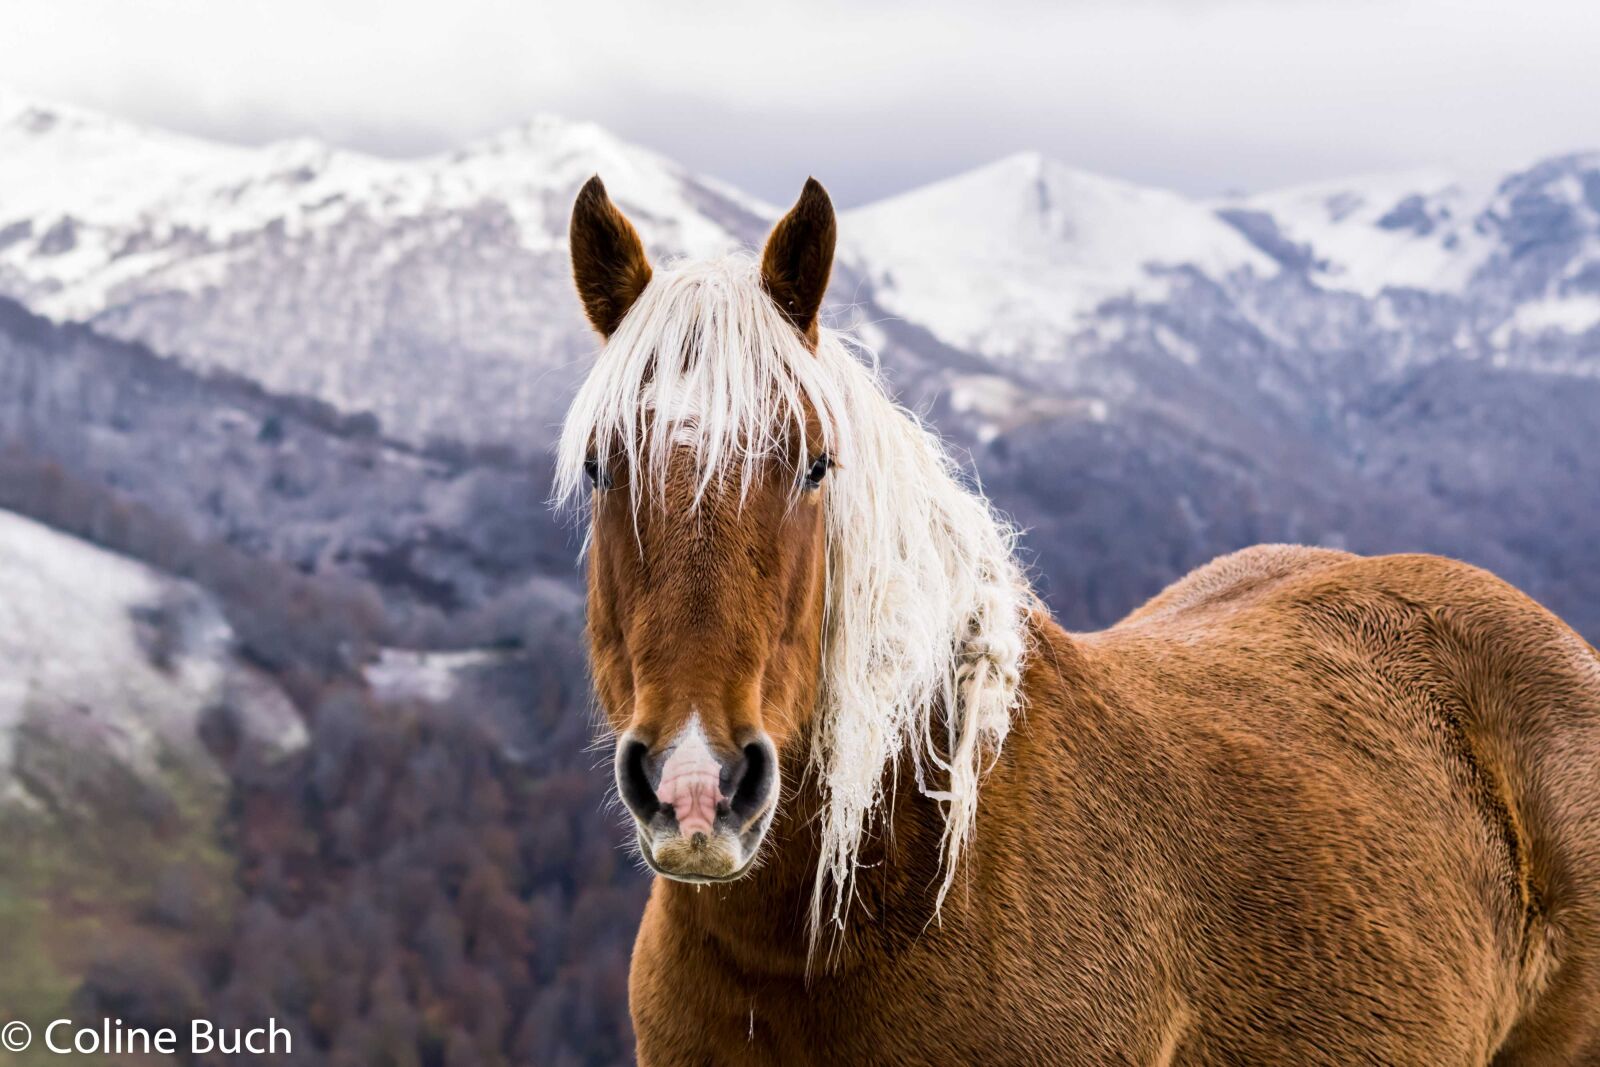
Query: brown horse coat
1300, 808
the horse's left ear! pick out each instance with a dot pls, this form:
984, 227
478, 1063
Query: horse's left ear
799, 257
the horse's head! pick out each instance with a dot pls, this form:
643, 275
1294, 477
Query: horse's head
709, 469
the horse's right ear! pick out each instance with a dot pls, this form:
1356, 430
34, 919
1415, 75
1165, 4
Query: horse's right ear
608, 261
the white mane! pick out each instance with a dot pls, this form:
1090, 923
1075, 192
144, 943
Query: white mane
926, 607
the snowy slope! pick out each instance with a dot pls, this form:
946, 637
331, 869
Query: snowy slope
114, 664
1014, 257
1523, 247
1368, 233
1543, 278
433, 292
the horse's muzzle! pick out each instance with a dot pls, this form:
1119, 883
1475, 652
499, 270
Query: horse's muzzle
700, 815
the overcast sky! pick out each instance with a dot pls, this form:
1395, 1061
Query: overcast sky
1203, 96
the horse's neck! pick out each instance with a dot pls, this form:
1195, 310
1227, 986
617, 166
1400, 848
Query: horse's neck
759, 921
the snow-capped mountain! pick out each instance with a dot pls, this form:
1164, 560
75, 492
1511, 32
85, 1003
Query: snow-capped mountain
1410, 229
433, 292
1522, 249
1009, 259
1029, 261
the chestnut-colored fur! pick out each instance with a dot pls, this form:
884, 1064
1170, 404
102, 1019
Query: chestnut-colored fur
1303, 807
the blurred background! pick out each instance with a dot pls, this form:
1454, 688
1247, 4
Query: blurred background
293, 715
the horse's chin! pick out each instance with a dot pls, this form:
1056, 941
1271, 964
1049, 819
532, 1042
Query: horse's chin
699, 859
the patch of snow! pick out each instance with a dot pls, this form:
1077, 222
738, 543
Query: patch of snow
79, 671
408, 674
1571, 314
1177, 346
1565, 314
993, 405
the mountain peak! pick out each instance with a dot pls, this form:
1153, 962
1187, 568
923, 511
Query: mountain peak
1028, 161
543, 132
1010, 257
36, 116
24, 118
1020, 171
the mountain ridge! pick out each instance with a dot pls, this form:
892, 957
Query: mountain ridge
433, 292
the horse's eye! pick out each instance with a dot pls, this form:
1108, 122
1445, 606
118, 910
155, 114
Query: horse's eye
597, 477
819, 470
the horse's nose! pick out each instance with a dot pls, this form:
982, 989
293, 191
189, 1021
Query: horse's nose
752, 781
696, 786
635, 779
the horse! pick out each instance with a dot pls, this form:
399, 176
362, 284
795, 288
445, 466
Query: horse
1303, 807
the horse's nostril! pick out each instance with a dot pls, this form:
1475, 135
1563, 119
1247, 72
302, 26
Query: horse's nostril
633, 780
750, 785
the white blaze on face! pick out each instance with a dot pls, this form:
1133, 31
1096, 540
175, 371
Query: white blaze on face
691, 781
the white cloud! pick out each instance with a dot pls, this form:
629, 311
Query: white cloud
873, 97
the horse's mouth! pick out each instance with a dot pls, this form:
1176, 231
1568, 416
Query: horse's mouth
699, 859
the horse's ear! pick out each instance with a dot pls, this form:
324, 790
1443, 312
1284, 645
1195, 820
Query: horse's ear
608, 261
799, 257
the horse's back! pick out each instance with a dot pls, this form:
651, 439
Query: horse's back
1234, 577
1383, 652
